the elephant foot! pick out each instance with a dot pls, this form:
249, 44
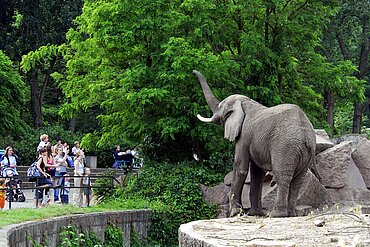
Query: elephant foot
278, 213
292, 213
255, 212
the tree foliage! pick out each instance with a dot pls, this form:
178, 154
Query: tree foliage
133, 60
12, 99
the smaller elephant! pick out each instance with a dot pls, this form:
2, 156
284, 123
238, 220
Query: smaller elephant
280, 139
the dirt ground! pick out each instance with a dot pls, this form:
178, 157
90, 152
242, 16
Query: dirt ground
338, 226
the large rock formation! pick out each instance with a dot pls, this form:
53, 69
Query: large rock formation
345, 177
361, 158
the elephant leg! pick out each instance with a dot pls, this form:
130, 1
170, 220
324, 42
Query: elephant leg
257, 175
240, 172
295, 187
283, 166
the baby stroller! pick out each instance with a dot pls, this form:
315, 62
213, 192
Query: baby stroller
14, 193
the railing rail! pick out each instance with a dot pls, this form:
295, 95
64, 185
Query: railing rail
11, 186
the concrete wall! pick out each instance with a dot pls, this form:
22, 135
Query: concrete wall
47, 231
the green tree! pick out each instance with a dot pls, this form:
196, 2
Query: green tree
12, 99
347, 38
133, 60
36, 24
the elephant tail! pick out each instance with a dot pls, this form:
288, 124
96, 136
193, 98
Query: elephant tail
312, 161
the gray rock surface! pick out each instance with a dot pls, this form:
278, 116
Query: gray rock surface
361, 157
322, 133
322, 144
332, 165
294, 231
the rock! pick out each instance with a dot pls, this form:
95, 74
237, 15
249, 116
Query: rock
322, 144
313, 193
216, 195
349, 195
228, 178
361, 157
322, 133
355, 139
332, 165
355, 179
319, 222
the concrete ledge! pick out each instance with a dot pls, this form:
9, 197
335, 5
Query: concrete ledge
278, 232
47, 231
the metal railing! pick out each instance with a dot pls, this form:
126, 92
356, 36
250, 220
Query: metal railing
12, 187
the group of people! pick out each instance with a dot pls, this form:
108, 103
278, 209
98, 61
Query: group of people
52, 162
126, 159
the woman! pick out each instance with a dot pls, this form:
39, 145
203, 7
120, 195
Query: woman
61, 170
9, 162
44, 182
78, 173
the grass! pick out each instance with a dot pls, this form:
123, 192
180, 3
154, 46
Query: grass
19, 215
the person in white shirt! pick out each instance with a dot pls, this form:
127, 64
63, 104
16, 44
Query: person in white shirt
44, 139
76, 146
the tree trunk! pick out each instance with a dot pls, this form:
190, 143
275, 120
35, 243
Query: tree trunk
357, 118
329, 106
73, 125
35, 100
363, 68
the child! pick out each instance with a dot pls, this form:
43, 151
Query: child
87, 190
64, 192
2, 192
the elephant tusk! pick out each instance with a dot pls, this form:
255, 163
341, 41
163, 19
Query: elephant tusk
203, 119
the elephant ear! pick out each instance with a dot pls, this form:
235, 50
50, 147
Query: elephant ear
233, 124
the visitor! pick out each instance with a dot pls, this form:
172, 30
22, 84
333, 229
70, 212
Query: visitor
9, 160
44, 139
3, 189
78, 173
44, 182
118, 157
87, 187
76, 146
65, 148
57, 145
65, 188
60, 171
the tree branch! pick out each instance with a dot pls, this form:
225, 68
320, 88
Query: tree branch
297, 10
342, 46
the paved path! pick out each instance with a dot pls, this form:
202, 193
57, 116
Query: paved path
29, 203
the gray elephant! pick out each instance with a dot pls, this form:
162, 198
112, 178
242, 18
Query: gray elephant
280, 139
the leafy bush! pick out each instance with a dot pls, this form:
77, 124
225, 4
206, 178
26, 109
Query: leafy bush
178, 187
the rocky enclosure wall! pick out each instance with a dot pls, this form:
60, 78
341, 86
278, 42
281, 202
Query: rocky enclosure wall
47, 231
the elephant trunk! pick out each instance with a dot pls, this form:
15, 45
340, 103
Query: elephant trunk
210, 98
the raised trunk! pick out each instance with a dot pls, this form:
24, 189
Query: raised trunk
210, 98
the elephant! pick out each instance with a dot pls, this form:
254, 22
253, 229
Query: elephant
280, 139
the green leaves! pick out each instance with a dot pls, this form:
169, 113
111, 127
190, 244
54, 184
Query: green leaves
12, 98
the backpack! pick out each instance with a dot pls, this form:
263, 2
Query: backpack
33, 172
